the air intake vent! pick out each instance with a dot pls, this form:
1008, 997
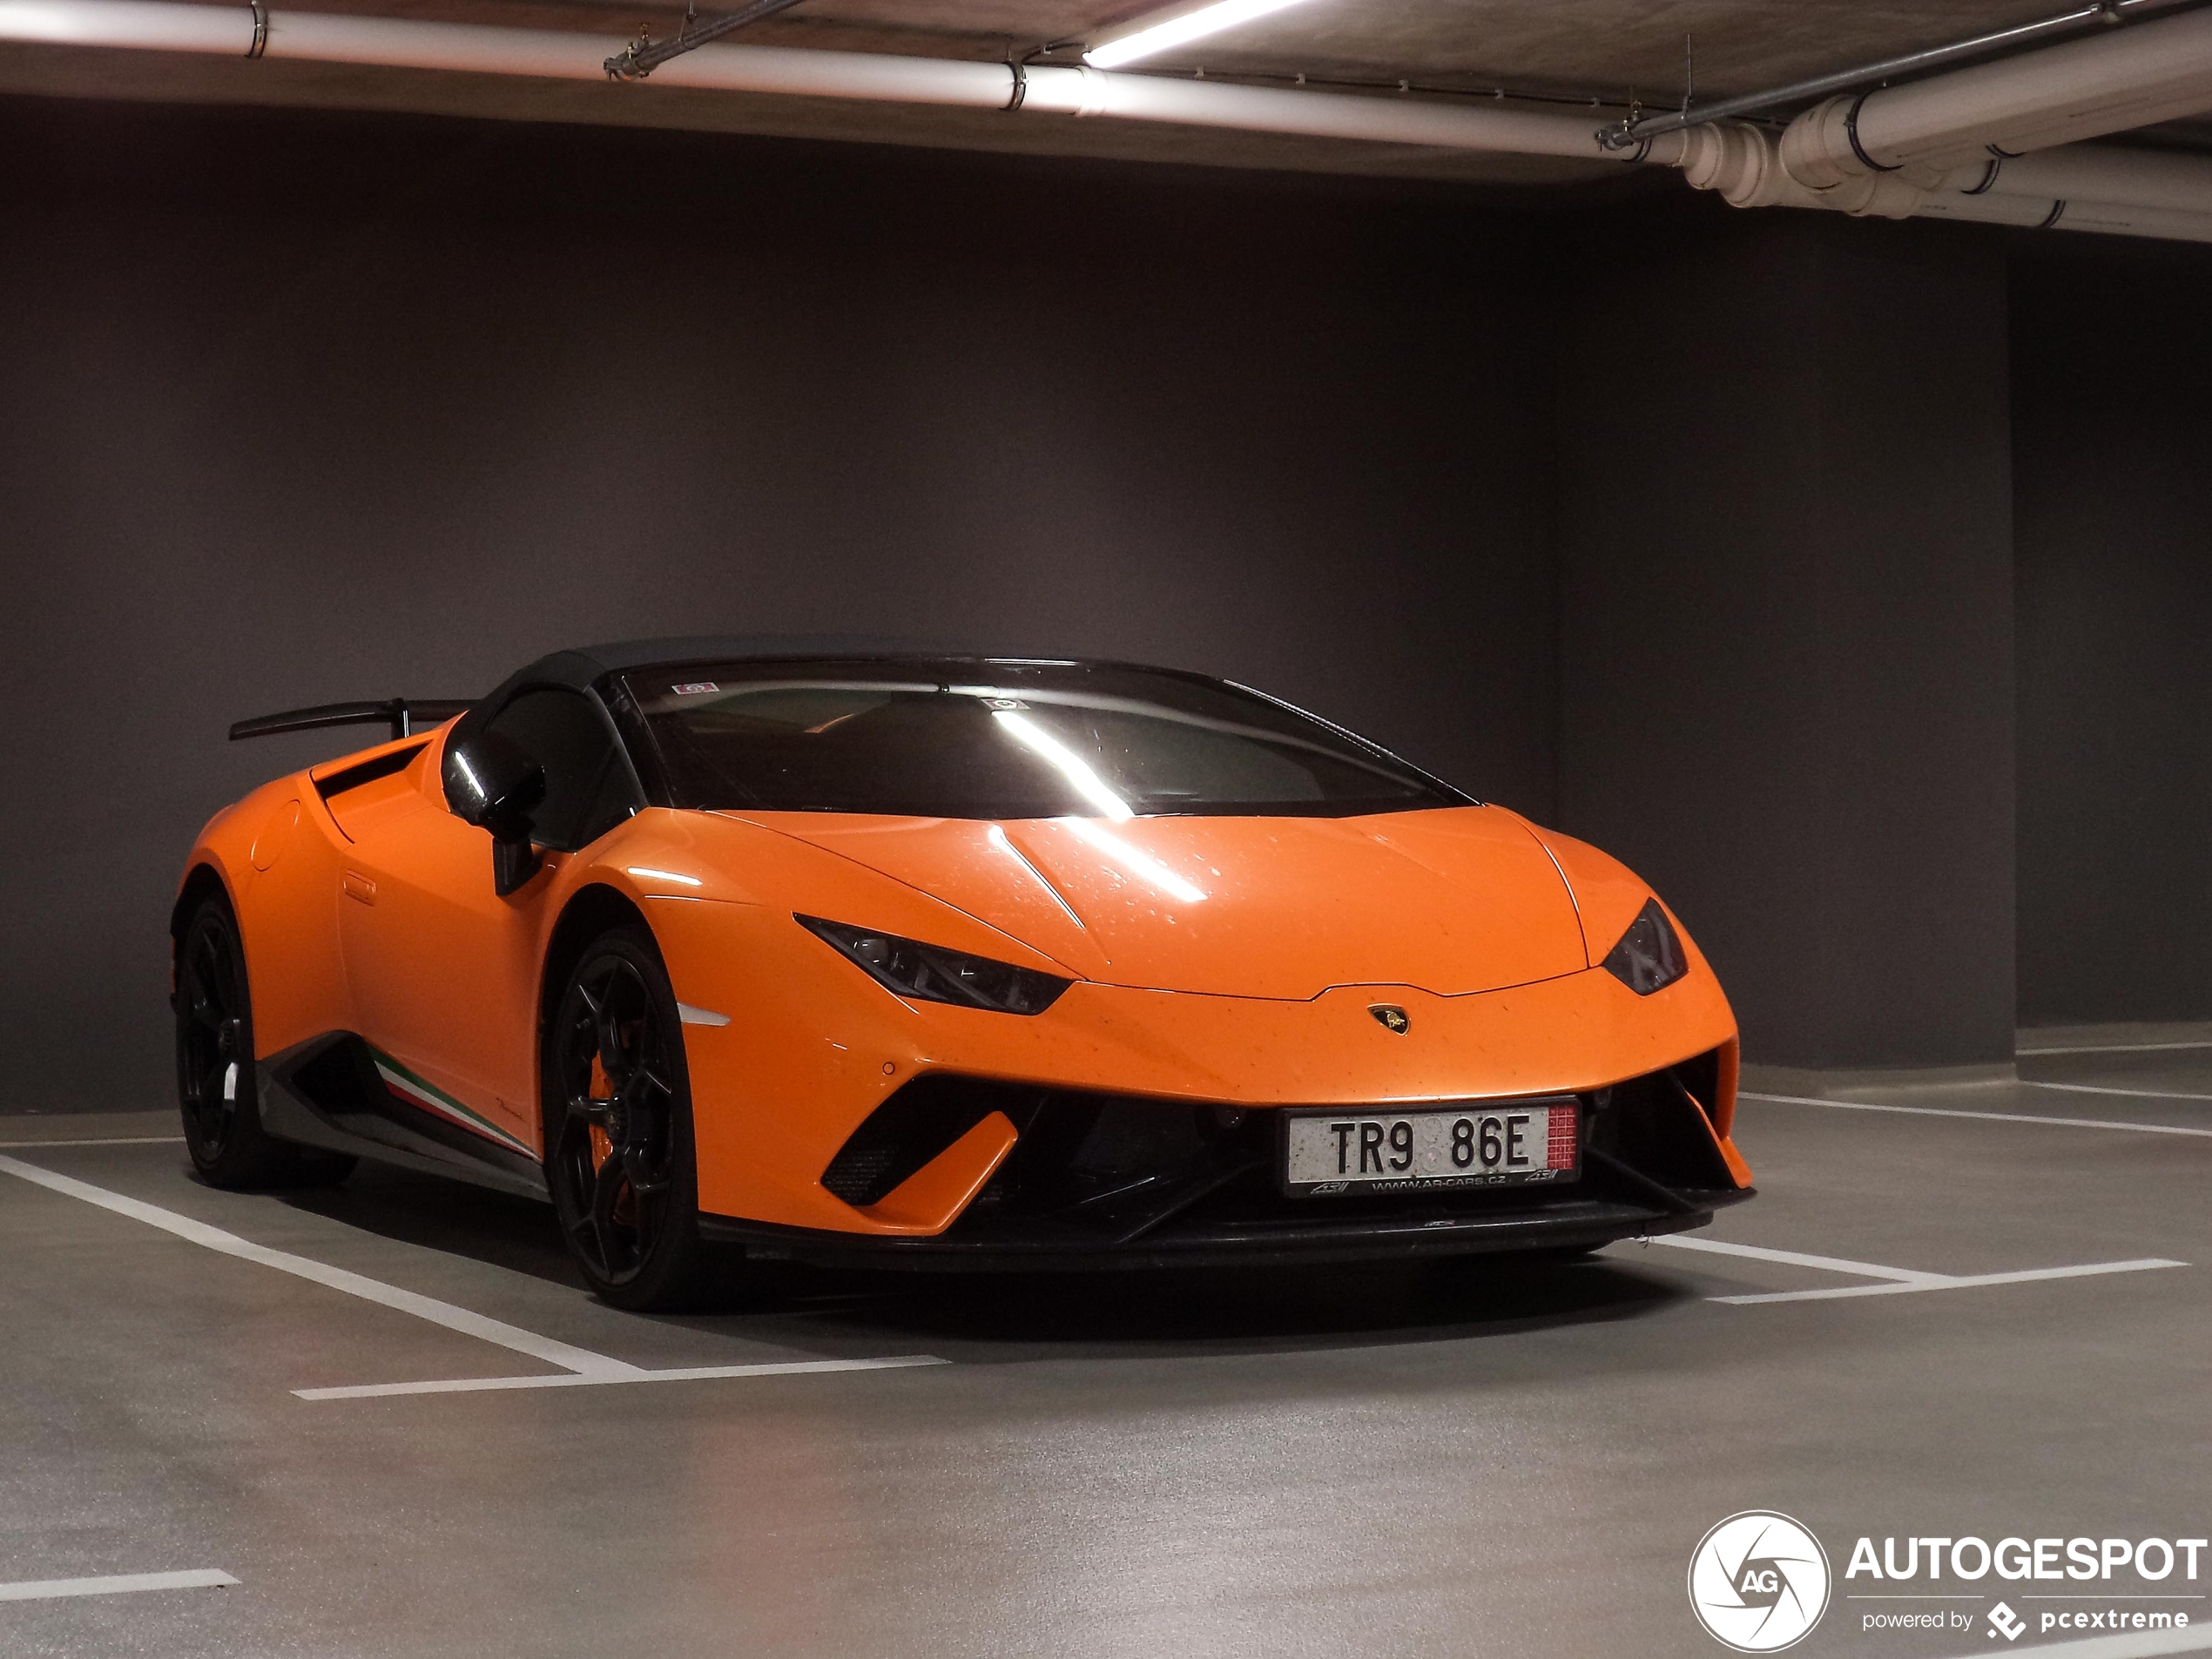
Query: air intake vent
911, 1128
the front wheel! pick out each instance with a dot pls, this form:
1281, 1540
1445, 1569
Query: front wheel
216, 1081
618, 1104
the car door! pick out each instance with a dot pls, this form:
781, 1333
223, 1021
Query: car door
444, 969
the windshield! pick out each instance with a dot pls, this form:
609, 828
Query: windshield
976, 738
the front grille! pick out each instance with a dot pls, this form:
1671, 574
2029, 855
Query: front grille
1116, 1167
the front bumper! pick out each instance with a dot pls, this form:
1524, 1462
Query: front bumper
1095, 1180
1414, 1231
813, 1049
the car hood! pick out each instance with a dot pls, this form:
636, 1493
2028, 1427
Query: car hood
1453, 900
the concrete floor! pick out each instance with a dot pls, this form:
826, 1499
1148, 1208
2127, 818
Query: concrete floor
1479, 1459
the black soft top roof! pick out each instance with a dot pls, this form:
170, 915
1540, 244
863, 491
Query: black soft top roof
587, 663
584, 667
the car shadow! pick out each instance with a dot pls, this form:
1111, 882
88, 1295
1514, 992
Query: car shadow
1150, 1314
980, 1317
498, 1228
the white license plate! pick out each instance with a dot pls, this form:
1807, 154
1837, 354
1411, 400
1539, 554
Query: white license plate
1499, 1143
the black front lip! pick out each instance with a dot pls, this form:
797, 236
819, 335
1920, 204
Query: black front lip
1036, 1246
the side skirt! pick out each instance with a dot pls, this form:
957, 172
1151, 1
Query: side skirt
327, 1092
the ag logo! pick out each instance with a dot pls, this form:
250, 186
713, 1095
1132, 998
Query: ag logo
1758, 1581
1391, 1017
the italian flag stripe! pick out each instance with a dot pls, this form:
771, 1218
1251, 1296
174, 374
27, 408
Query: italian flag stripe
408, 1087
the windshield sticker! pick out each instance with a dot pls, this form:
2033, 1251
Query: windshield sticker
693, 688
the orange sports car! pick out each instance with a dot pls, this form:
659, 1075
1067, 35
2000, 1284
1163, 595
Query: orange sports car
747, 951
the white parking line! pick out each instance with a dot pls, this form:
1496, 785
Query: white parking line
112, 1140
1945, 1282
1993, 1117
2115, 1047
1897, 1281
2104, 1089
45, 1589
2146, 1645
1792, 1258
336, 1278
580, 1364
688, 1373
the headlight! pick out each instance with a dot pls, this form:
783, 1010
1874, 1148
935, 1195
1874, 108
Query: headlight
935, 974
1649, 957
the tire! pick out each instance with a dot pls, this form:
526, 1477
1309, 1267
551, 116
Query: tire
218, 1091
619, 1159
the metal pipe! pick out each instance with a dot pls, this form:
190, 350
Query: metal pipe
2044, 213
2154, 179
2109, 190
2154, 71
642, 56
2081, 19
804, 72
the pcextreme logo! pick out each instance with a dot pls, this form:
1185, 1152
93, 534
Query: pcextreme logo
1758, 1581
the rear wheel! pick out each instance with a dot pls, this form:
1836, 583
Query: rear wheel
217, 1090
619, 1159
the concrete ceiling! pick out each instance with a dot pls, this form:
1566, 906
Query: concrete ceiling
1602, 50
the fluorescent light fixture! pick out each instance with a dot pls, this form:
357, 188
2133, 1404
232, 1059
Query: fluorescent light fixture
1070, 766
1180, 30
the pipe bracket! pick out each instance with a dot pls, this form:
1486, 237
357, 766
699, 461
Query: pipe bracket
1850, 133
260, 28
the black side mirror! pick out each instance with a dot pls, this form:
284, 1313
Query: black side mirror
492, 783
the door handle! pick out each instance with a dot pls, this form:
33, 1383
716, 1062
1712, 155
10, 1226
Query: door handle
358, 886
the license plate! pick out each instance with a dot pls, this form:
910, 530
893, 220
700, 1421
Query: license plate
1495, 1144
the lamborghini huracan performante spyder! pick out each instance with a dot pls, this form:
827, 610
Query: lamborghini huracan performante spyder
739, 952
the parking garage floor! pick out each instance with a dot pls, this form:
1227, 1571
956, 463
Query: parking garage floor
1959, 1311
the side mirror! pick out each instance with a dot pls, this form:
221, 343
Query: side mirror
492, 783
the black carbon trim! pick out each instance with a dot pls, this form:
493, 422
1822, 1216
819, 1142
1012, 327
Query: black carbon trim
326, 1092
367, 771
1414, 1235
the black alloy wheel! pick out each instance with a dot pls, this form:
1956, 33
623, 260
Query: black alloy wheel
618, 1127
217, 1088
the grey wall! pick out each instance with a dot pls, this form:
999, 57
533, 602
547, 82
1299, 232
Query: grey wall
2112, 355
300, 407
1785, 607
1692, 531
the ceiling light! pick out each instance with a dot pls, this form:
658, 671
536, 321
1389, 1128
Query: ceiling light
1178, 30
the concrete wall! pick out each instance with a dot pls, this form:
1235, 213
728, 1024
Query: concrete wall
300, 408
1786, 568
2111, 352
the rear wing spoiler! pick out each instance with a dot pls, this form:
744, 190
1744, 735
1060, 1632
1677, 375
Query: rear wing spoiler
406, 715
